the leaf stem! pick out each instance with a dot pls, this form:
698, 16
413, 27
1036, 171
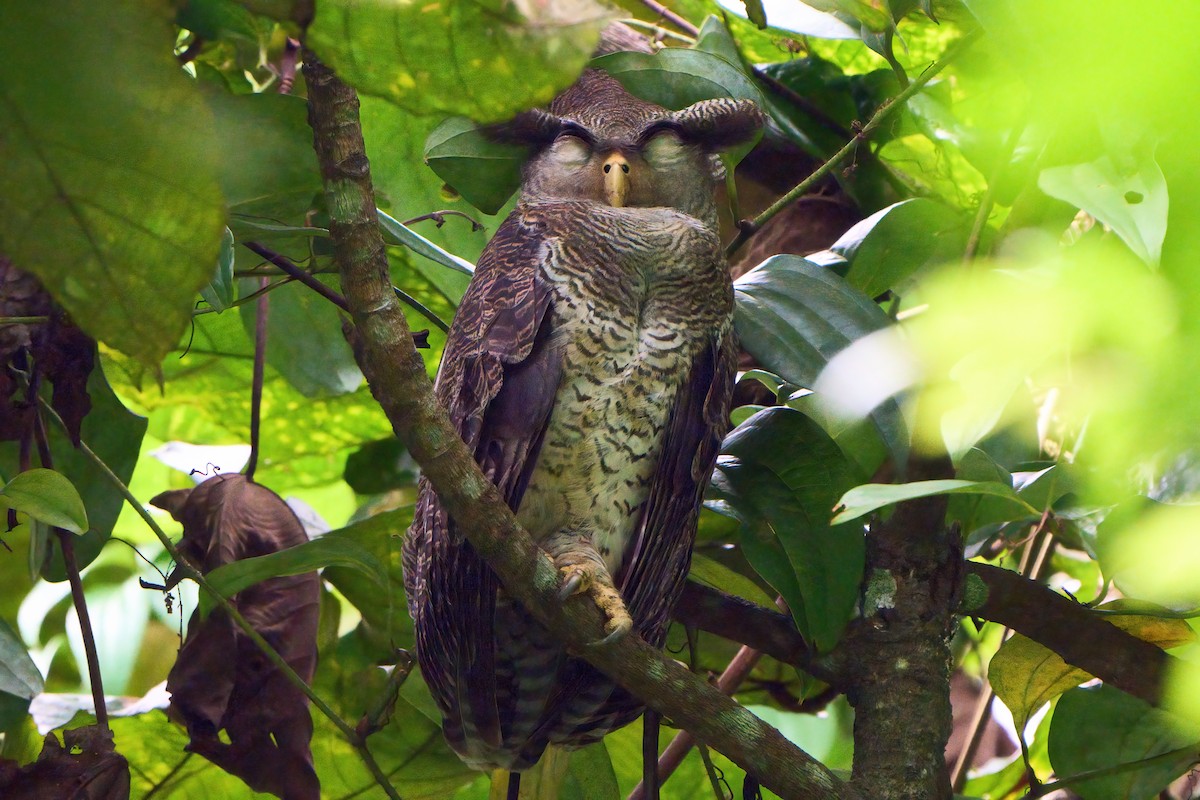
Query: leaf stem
1041, 790
671, 17
748, 228
189, 571
261, 315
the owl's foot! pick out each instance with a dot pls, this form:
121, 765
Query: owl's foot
582, 576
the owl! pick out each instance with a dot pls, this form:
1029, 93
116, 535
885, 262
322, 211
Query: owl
589, 368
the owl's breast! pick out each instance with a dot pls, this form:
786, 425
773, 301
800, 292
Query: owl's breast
631, 316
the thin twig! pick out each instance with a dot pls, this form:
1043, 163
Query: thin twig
256, 384
671, 17
187, 570
1041, 790
23, 320
739, 667
747, 228
293, 271
421, 309
439, 218
989, 194
193, 50
66, 542
658, 31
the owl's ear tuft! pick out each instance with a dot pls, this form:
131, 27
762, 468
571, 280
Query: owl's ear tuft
718, 124
535, 128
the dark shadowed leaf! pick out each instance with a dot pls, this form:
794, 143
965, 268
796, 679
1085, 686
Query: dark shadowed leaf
709, 572
221, 680
84, 766
892, 245
62, 353
483, 171
475, 58
379, 466
48, 496
862, 500
793, 316
780, 475
1101, 727
754, 10
111, 196
20, 680
675, 78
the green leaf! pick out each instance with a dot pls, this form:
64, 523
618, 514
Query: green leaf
894, 244
1101, 727
709, 572
1130, 197
110, 197
1027, 675
20, 680
402, 234
48, 496
869, 497
220, 292
793, 316
590, 775
474, 58
779, 474
324, 551
483, 171
754, 10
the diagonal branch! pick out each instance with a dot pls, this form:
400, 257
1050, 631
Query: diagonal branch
396, 375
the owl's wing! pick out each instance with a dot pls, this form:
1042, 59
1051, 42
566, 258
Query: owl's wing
656, 565
500, 372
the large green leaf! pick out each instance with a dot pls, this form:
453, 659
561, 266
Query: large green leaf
474, 58
20, 680
862, 500
110, 195
793, 316
710, 572
384, 612
1101, 727
590, 775
47, 496
892, 245
780, 475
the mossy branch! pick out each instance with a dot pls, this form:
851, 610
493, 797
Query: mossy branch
396, 374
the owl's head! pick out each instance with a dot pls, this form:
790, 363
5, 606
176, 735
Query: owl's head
598, 142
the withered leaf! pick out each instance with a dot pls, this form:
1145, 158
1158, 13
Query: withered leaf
58, 351
221, 680
95, 772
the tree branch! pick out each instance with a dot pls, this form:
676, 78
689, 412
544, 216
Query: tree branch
396, 375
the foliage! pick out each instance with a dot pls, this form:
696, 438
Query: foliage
1020, 294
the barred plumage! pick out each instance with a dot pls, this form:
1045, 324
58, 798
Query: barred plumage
590, 368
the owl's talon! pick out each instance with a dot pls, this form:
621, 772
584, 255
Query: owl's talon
586, 579
572, 584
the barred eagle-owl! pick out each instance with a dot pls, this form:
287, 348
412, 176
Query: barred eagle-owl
589, 368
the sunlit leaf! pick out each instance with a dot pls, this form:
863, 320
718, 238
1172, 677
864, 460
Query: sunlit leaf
590, 775
402, 234
476, 58
48, 496
1129, 197
110, 192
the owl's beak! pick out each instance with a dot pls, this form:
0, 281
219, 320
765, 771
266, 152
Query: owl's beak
616, 179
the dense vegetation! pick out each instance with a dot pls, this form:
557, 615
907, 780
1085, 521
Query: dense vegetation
969, 376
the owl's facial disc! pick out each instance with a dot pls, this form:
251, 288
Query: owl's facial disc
616, 179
